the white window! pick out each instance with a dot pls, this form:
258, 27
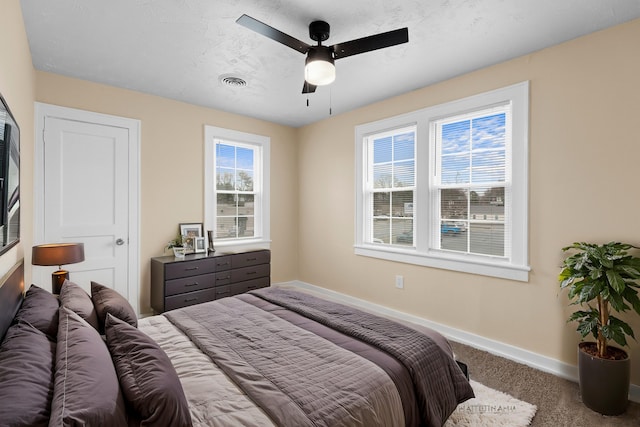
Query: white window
236, 186
391, 185
471, 184
447, 186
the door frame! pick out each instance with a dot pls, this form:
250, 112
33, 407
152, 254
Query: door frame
44, 111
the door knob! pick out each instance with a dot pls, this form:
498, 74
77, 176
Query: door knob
119, 242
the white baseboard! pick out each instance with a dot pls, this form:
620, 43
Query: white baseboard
526, 357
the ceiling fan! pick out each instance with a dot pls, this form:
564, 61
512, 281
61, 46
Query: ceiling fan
319, 65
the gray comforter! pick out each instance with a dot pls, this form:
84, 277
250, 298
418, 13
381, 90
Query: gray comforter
300, 379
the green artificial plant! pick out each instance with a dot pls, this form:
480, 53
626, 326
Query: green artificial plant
608, 275
175, 243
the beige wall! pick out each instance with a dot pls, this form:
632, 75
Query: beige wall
17, 86
171, 170
584, 155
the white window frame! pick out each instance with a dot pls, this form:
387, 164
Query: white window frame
369, 181
516, 266
262, 174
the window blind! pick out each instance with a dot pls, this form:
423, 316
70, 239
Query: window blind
471, 183
391, 187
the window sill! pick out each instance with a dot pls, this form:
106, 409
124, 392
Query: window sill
239, 245
484, 267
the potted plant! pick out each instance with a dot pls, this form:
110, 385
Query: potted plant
602, 279
177, 246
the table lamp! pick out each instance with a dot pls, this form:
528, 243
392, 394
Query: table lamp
57, 254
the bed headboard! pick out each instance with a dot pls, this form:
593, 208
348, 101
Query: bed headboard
11, 294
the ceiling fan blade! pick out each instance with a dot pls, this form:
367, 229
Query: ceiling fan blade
308, 87
272, 33
367, 44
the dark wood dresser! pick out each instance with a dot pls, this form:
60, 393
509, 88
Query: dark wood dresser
200, 278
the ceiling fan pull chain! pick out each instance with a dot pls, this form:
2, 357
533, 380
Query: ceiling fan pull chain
330, 100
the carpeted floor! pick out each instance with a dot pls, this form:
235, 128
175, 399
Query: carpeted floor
558, 400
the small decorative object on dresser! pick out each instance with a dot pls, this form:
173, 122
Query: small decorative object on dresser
176, 245
191, 229
178, 251
189, 232
211, 249
188, 244
177, 283
198, 245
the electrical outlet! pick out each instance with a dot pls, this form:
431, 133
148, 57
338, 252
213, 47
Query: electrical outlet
399, 282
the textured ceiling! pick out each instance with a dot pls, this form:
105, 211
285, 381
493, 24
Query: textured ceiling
178, 49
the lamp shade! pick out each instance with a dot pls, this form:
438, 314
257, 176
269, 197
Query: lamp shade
57, 254
319, 69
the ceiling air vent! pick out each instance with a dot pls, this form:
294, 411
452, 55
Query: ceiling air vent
232, 81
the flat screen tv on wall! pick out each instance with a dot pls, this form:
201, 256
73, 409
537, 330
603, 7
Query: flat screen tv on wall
9, 179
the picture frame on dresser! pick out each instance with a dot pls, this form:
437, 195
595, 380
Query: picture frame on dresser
188, 243
193, 229
199, 246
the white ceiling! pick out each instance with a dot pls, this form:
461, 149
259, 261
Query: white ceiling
178, 49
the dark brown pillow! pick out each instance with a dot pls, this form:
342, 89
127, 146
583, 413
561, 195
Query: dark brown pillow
107, 300
40, 309
26, 376
78, 300
149, 381
86, 388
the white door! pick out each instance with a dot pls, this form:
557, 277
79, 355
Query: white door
88, 187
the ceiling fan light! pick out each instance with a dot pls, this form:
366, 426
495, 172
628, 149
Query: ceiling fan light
319, 69
320, 73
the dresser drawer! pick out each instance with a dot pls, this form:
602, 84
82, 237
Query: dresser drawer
230, 290
250, 258
189, 284
223, 263
250, 285
190, 298
224, 291
181, 269
223, 278
249, 273
240, 288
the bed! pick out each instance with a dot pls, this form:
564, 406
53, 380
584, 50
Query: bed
269, 357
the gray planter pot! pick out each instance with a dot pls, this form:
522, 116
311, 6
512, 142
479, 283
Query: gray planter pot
604, 384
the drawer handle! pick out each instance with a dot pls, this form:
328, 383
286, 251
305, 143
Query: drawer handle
192, 284
249, 273
223, 278
223, 263
190, 299
252, 259
252, 287
191, 269
223, 292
